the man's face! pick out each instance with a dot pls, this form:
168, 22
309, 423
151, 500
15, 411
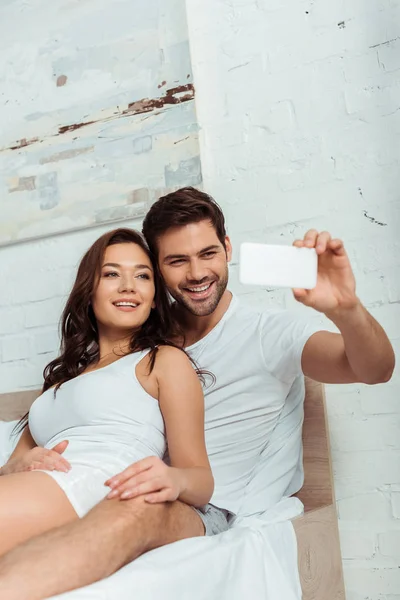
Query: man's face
194, 265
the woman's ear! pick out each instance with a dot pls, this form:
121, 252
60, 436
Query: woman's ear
153, 304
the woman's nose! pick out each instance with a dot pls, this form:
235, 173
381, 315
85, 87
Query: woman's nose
126, 284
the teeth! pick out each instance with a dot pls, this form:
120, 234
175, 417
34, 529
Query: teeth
126, 304
200, 289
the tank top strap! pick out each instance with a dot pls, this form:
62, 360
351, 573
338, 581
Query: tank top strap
137, 356
129, 362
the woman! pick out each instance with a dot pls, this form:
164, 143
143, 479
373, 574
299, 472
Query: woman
120, 392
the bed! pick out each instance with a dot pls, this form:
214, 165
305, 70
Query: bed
318, 548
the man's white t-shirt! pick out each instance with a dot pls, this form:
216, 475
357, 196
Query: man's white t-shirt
254, 409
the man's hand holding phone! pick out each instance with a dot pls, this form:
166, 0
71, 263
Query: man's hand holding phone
317, 268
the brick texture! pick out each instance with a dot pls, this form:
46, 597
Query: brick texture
298, 107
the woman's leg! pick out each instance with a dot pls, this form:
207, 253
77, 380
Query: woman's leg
30, 503
112, 534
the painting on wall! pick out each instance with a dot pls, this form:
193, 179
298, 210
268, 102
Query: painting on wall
97, 112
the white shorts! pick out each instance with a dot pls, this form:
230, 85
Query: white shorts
83, 486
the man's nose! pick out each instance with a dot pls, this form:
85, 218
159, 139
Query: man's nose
197, 271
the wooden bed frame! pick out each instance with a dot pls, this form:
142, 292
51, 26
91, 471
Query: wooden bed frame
319, 556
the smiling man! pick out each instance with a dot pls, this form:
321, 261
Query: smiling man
195, 268
258, 359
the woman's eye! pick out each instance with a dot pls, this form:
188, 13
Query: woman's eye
110, 274
143, 276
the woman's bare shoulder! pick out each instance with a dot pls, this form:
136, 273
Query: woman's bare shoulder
170, 357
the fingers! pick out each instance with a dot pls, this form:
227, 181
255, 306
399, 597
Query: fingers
49, 460
320, 241
60, 447
337, 247
316, 240
310, 239
131, 471
42, 465
300, 294
38, 465
59, 463
154, 485
132, 483
47, 463
162, 496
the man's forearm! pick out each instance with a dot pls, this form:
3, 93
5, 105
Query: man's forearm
368, 349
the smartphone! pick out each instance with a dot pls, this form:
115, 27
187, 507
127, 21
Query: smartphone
278, 266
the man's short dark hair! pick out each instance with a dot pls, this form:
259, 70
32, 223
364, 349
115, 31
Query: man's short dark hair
183, 207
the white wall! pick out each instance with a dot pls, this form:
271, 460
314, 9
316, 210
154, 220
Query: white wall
93, 105
299, 105
297, 101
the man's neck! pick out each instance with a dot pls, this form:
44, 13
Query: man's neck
195, 328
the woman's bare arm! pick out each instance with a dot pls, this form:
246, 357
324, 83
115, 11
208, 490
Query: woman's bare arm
182, 405
27, 455
25, 443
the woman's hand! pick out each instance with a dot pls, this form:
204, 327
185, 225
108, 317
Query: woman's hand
150, 478
39, 458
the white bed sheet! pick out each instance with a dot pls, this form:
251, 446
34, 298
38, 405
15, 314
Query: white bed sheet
256, 558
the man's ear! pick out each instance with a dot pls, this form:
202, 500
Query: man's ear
228, 248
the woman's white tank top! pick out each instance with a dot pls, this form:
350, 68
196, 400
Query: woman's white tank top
105, 414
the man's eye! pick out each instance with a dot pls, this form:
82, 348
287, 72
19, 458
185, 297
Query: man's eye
174, 263
208, 254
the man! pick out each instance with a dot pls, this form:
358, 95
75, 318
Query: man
258, 360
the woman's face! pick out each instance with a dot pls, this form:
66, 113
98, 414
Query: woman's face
124, 296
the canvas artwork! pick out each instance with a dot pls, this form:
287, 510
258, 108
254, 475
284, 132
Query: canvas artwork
97, 112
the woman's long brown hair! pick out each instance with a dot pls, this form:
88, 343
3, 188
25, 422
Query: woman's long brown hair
79, 335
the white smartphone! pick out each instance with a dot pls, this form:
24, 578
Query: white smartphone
278, 266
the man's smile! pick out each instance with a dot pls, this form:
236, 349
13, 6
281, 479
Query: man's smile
200, 292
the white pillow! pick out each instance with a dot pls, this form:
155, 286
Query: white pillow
7, 441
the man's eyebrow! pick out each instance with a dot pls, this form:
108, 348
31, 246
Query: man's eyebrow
118, 266
180, 256
209, 248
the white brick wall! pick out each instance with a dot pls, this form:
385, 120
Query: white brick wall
298, 103
396, 504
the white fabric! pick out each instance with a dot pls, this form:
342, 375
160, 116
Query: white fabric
256, 558
254, 410
110, 422
7, 441
254, 415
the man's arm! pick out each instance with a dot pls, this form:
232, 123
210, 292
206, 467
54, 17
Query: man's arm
362, 351
362, 354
